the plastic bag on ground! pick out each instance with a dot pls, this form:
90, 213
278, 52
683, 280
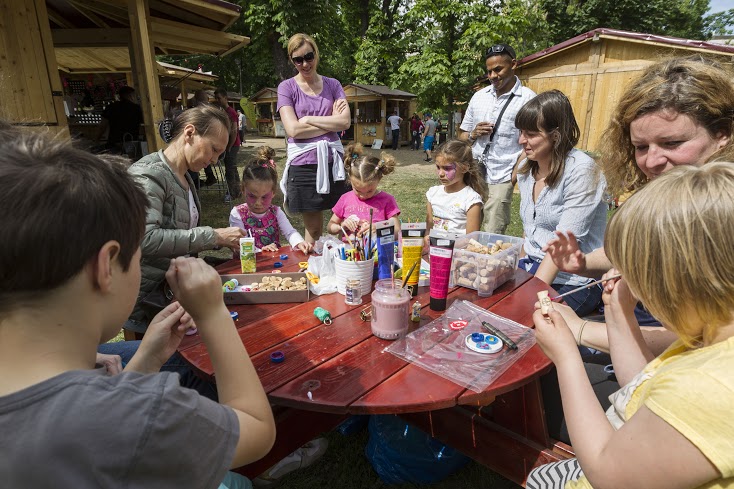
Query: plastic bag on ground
401, 453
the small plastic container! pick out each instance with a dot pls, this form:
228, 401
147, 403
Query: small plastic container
353, 292
484, 272
390, 309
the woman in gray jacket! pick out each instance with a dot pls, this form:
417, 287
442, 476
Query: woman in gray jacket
198, 136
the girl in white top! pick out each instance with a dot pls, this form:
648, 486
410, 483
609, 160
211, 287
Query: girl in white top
456, 204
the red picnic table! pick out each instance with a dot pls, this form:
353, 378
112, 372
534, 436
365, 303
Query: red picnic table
346, 371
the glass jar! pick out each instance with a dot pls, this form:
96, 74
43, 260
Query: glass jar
353, 292
390, 309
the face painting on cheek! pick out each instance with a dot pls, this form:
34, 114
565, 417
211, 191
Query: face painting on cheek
265, 200
449, 171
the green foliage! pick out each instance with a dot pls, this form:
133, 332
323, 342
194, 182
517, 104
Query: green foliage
448, 57
720, 23
381, 51
678, 18
432, 48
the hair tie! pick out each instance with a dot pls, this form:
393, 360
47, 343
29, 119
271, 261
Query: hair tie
355, 156
164, 129
268, 164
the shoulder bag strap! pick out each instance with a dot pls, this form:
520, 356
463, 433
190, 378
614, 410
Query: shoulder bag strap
499, 118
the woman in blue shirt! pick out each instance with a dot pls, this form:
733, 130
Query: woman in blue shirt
561, 188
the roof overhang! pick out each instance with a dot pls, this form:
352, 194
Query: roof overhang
92, 36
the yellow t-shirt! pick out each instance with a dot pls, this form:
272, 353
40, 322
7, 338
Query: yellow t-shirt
693, 391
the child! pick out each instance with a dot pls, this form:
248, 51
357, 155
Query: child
59, 415
456, 204
257, 215
352, 211
670, 425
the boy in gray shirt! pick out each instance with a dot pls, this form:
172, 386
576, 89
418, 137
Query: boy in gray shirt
69, 276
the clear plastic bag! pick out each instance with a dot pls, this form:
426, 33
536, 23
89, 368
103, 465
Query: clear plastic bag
443, 351
323, 266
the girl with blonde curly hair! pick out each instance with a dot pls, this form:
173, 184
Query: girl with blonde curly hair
352, 210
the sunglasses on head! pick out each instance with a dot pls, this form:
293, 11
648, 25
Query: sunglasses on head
299, 60
499, 49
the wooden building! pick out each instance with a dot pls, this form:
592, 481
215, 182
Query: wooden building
594, 68
371, 105
267, 121
40, 37
178, 84
86, 94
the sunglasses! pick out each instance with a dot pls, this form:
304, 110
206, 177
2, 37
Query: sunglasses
299, 60
499, 49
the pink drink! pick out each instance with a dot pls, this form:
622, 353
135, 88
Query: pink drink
390, 310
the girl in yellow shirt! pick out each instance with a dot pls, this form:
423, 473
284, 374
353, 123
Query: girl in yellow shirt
671, 426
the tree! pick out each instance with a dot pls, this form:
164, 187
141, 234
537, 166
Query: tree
448, 56
381, 50
269, 24
719, 24
678, 18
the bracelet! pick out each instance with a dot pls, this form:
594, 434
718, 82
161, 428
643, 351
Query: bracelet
472, 138
581, 332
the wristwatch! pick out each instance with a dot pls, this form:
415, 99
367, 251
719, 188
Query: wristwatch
470, 137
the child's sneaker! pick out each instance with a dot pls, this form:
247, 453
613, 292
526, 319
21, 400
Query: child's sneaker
302, 457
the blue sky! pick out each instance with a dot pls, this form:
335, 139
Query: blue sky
719, 5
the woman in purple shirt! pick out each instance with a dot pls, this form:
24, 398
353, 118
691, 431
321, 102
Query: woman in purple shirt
313, 109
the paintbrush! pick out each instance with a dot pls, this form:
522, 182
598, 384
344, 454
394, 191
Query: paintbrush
369, 241
590, 284
346, 235
499, 334
406, 277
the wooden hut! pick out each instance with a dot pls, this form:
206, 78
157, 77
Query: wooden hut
88, 90
178, 84
594, 68
268, 121
40, 37
371, 105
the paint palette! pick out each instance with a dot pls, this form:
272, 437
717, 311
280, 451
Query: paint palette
483, 343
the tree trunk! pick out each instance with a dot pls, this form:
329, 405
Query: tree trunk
283, 69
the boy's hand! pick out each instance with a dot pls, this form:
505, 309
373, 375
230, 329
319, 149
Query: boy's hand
111, 363
553, 335
305, 247
196, 285
163, 336
271, 247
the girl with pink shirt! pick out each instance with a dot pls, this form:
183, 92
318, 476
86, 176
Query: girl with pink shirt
352, 211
